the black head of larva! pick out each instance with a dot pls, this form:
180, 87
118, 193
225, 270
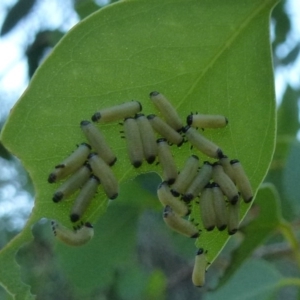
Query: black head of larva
226, 120
170, 181
200, 251
74, 217
187, 198
114, 196
185, 129
232, 231
96, 117
139, 115
234, 199
139, 103
88, 224
196, 235
222, 227
113, 162
95, 178
195, 156
154, 93
150, 117
85, 123
175, 193
52, 178
220, 153
189, 119
151, 159
161, 140
137, 163
87, 145
91, 155
234, 161
57, 197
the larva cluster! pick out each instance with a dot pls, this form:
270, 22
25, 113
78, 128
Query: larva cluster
215, 187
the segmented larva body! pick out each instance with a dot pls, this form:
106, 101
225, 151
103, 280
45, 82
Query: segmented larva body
70, 237
166, 198
71, 164
225, 183
84, 198
206, 121
207, 210
105, 174
220, 209
200, 181
98, 142
179, 224
242, 181
200, 265
200, 142
117, 112
166, 161
133, 142
148, 138
225, 163
233, 218
165, 130
73, 183
186, 176
167, 110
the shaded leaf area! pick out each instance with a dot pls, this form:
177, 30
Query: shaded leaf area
195, 55
15, 14
267, 203
255, 279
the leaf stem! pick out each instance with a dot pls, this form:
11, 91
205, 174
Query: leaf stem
288, 233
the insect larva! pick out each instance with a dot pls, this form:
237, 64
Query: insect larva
178, 224
225, 183
224, 161
97, 141
71, 163
165, 130
166, 161
167, 110
73, 183
105, 174
233, 218
166, 198
70, 237
84, 198
206, 121
206, 146
148, 138
200, 181
207, 208
186, 176
242, 181
133, 142
219, 207
198, 276
117, 112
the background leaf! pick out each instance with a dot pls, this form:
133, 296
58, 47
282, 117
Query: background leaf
201, 56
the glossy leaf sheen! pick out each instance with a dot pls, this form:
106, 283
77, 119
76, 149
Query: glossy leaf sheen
206, 56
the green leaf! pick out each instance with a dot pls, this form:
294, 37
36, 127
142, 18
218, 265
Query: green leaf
256, 279
208, 56
268, 205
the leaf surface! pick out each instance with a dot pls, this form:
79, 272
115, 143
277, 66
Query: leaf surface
206, 56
